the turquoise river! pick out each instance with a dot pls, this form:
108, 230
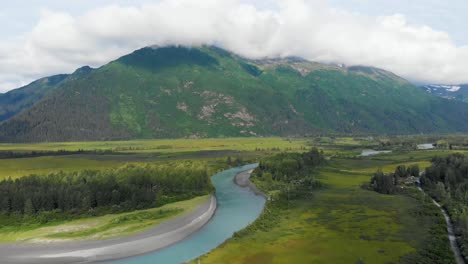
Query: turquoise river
237, 208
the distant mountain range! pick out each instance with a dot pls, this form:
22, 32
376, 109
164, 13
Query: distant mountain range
452, 92
174, 92
15, 101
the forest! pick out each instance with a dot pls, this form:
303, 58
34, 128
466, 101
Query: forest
447, 181
285, 177
289, 173
387, 183
91, 192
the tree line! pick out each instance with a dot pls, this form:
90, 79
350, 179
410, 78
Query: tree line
447, 181
127, 188
292, 173
8, 154
387, 183
287, 177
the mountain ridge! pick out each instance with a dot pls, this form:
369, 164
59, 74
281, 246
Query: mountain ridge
452, 92
173, 92
17, 100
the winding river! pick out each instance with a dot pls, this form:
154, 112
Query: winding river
237, 208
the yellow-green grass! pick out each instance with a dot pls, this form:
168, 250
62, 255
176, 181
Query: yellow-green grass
165, 145
15, 168
20, 167
416, 155
102, 227
169, 149
385, 167
350, 141
412, 155
342, 223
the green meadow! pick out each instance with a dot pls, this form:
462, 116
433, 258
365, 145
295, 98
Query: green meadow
100, 227
212, 152
160, 150
137, 151
19, 167
165, 145
341, 223
345, 223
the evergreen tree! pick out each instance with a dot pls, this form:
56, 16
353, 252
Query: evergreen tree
401, 171
28, 207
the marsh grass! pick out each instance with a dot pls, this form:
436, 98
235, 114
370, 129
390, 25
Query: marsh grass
344, 223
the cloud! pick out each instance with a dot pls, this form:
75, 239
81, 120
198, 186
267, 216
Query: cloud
61, 42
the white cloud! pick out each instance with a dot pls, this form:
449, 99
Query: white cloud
61, 42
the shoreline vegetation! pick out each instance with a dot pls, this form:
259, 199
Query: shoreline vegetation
158, 237
99, 227
106, 200
243, 180
278, 195
316, 210
83, 254
283, 178
403, 228
63, 195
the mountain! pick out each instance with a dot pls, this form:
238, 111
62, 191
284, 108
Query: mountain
208, 92
452, 92
13, 102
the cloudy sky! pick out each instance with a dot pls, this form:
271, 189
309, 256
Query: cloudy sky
422, 40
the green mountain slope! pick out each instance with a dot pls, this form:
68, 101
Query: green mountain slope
13, 102
208, 92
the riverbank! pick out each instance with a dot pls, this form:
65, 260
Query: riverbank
373, 228
161, 236
243, 180
237, 208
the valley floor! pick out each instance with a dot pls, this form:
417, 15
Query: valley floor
341, 223
344, 223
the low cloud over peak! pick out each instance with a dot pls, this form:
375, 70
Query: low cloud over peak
61, 42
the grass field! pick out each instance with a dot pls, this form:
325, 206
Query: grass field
165, 145
154, 151
343, 223
102, 227
15, 168
138, 151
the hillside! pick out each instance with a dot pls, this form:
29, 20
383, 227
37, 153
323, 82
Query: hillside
13, 102
208, 92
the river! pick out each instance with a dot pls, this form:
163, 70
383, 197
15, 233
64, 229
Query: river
371, 152
237, 208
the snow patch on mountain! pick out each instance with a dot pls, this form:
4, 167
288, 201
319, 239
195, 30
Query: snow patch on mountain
448, 88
